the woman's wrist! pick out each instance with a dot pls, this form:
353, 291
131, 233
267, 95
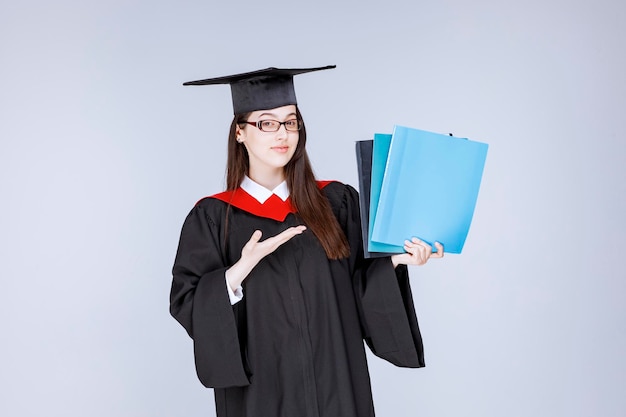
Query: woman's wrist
237, 273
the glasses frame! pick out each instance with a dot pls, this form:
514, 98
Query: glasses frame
257, 124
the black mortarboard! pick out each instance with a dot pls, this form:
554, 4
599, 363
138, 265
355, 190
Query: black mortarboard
261, 90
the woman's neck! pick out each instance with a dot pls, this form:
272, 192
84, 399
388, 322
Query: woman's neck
269, 180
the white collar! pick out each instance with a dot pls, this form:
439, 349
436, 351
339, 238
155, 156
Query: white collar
261, 194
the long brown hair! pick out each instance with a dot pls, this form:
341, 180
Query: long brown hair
309, 201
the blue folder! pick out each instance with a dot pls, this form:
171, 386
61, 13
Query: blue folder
379, 161
429, 188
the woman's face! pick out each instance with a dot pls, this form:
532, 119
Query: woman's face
269, 151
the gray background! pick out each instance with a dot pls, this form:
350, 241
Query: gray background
103, 153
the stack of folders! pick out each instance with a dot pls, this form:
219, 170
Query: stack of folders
415, 183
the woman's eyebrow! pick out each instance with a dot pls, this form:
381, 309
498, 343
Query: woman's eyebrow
275, 115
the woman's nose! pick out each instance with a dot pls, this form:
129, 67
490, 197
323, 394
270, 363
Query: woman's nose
282, 133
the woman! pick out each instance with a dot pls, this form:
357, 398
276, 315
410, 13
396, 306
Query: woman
269, 278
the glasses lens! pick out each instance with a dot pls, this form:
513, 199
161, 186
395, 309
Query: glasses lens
268, 125
292, 124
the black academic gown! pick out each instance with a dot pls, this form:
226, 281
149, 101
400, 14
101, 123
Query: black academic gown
293, 347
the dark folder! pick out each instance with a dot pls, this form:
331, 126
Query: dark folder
364, 153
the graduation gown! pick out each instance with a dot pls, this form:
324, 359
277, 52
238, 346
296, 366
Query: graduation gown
293, 347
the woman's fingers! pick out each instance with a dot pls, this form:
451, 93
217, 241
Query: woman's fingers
439, 253
420, 251
290, 232
260, 249
418, 242
275, 241
256, 236
254, 239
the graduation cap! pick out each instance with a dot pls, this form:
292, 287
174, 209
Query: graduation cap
261, 90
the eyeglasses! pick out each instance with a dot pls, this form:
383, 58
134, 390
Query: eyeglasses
291, 125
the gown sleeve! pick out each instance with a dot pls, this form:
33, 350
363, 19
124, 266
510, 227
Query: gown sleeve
199, 302
384, 298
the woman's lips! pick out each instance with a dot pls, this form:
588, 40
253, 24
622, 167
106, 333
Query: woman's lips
281, 149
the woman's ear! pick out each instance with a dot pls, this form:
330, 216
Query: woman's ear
239, 135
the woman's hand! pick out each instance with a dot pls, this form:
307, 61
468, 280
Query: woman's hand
255, 250
418, 252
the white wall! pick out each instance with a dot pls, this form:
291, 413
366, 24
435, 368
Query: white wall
103, 152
